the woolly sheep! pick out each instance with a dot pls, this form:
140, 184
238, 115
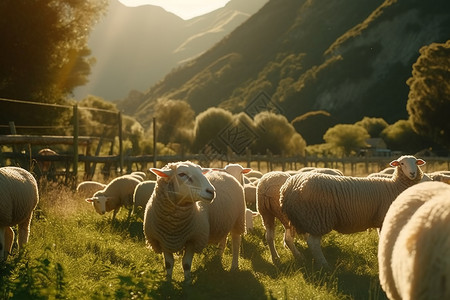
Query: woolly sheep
250, 195
414, 244
179, 188
118, 193
142, 194
269, 207
176, 217
18, 199
237, 171
88, 188
318, 203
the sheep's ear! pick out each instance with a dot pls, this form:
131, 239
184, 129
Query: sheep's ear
217, 169
394, 163
161, 172
420, 162
246, 170
206, 170
90, 200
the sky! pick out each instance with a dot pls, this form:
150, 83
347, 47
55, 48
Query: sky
185, 9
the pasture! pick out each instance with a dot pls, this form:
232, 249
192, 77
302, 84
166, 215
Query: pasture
74, 253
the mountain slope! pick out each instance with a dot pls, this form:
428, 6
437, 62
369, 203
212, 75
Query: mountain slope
136, 46
348, 57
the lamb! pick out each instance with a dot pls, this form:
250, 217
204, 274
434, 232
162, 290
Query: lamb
318, 203
142, 194
88, 188
188, 210
269, 207
118, 193
18, 198
237, 171
414, 244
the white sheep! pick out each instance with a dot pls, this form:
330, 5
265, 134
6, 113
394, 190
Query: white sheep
117, 193
250, 195
414, 244
18, 198
318, 203
235, 170
88, 188
142, 194
269, 207
177, 217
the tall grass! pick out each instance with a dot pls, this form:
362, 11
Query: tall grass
74, 253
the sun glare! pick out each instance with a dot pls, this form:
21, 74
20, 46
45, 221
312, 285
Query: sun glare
184, 9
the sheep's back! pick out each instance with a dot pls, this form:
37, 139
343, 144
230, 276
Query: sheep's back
227, 209
319, 203
409, 237
121, 189
268, 195
18, 195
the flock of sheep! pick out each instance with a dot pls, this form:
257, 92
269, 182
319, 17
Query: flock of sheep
189, 207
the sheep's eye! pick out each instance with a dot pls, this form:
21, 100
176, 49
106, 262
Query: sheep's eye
185, 177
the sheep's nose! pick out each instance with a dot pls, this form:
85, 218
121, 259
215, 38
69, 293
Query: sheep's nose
413, 174
210, 192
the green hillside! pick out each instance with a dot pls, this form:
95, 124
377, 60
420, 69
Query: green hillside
350, 58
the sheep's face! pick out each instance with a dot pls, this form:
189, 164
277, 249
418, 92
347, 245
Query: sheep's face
188, 182
408, 165
235, 170
100, 203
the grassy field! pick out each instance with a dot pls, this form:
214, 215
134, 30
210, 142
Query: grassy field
74, 253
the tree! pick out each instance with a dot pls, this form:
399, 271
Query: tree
429, 96
347, 137
44, 53
175, 120
276, 134
313, 125
400, 136
374, 126
208, 126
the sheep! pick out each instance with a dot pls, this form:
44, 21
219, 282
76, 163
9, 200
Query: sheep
117, 193
19, 197
177, 217
250, 195
88, 188
235, 170
414, 244
269, 207
318, 203
142, 194
138, 175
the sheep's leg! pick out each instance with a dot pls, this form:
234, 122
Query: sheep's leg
235, 246
222, 245
187, 263
9, 239
289, 242
169, 261
2, 243
23, 232
269, 224
316, 250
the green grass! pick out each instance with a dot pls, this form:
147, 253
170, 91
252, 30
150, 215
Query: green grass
74, 253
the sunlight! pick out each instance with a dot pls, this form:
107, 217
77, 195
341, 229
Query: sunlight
184, 9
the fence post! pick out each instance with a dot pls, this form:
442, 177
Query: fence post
75, 141
154, 142
119, 116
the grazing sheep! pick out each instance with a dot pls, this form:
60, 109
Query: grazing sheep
415, 243
176, 220
18, 199
88, 188
118, 193
227, 213
269, 207
318, 203
176, 217
142, 194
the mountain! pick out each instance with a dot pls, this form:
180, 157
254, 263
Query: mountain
135, 47
350, 58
